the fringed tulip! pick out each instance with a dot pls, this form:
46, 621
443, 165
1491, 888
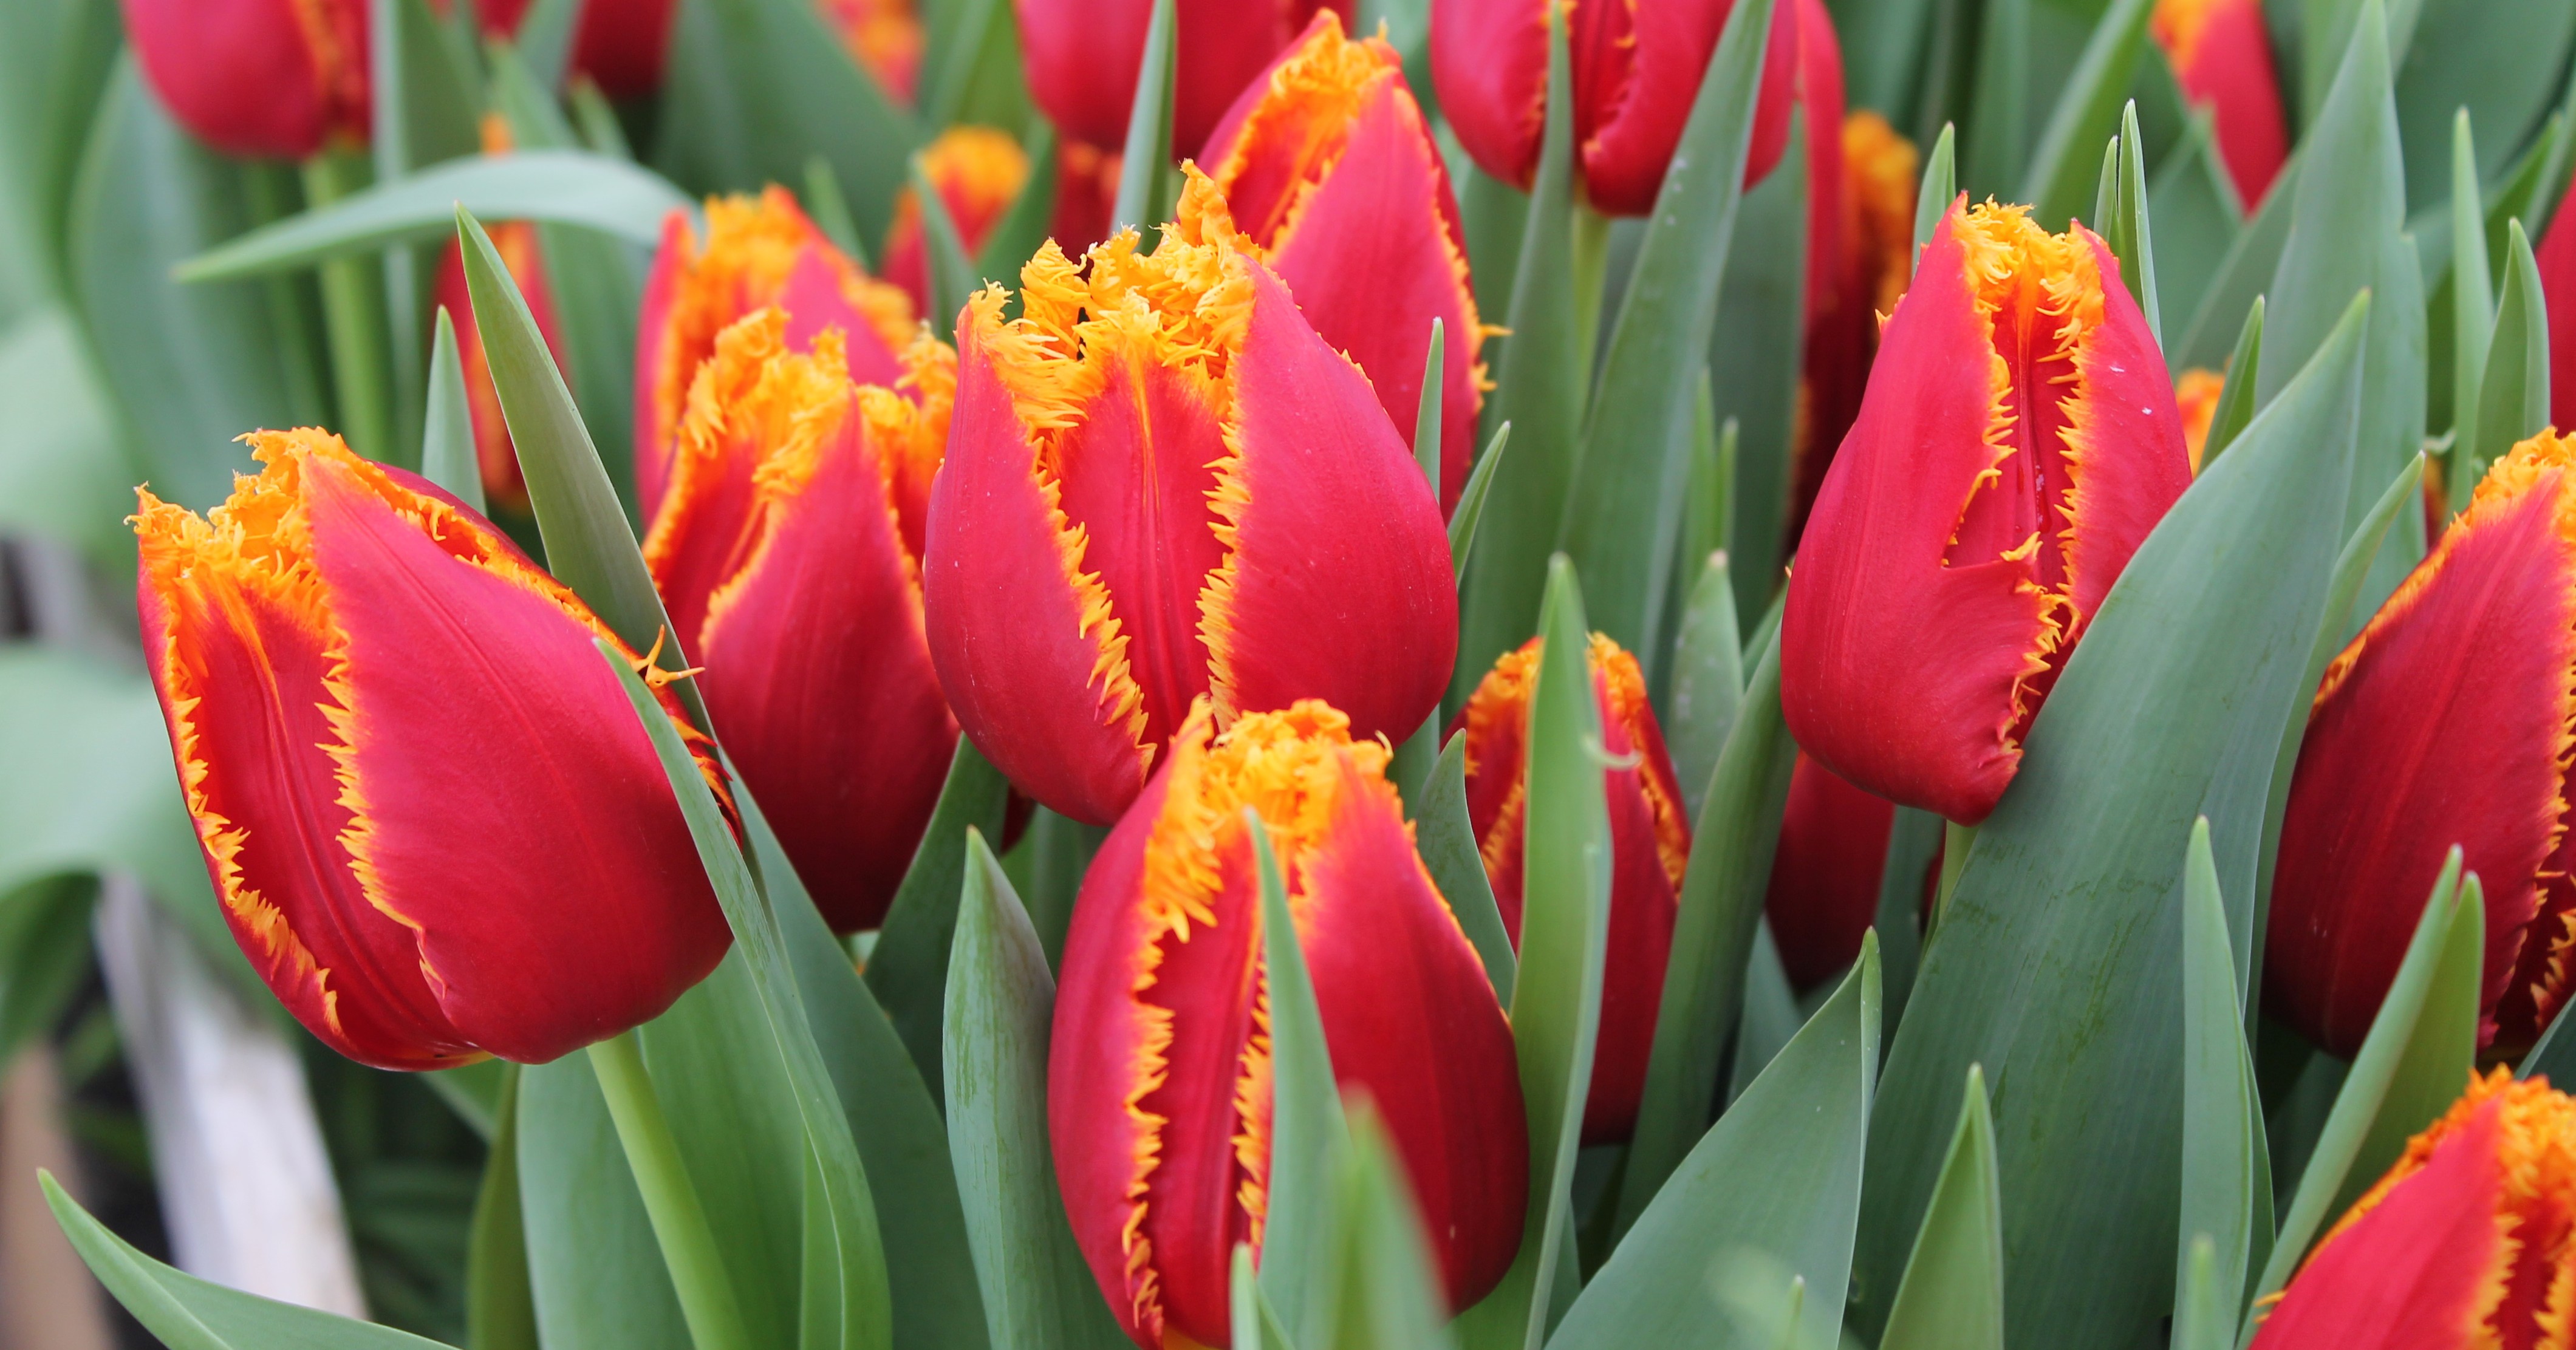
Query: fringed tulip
2448, 720
2469, 1242
621, 44
2222, 58
1637, 70
978, 173
432, 820
1649, 844
2017, 442
1161, 484
885, 38
1082, 58
2196, 393
1159, 1080
280, 78
1864, 270
1327, 164
788, 551
759, 252
516, 242
2556, 257
1823, 893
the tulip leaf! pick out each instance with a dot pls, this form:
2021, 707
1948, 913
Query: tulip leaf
1913, 847
1412, 763
1143, 199
2472, 288
64, 472
500, 1301
2226, 1196
447, 454
1952, 1296
1001, 997
2087, 112
1939, 188
1255, 1322
1446, 840
1048, 866
829, 209
1998, 116
2133, 242
951, 273
1778, 1175
2054, 961
1023, 229
1708, 515
1625, 511
546, 31
2411, 1066
1541, 376
1307, 1129
1708, 682
1721, 901
2204, 1317
1556, 992
1770, 1016
2236, 398
594, 1270
188, 1313
908, 971
2198, 218
1471, 502
862, 1297
2513, 391
1377, 1286
2500, 61
1752, 374
2553, 1056
2241, 278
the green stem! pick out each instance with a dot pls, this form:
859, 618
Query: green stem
353, 311
1956, 839
670, 1200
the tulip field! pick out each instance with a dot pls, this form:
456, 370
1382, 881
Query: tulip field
1287, 674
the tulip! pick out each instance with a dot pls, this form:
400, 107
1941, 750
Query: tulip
2222, 58
2556, 257
1159, 1077
885, 38
1863, 268
2446, 721
787, 550
1086, 196
1649, 843
1082, 58
2196, 393
759, 252
2016, 377
1328, 166
979, 173
1823, 894
1161, 484
621, 44
1637, 70
2464, 1245
516, 242
280, 78
435, 826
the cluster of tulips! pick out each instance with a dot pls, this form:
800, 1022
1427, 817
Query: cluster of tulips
1153, 539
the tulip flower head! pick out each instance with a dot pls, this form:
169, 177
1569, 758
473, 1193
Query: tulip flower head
1823, 894
2468, 1243
280, 78
979, 173
2222, 58
1086, 196
1161, 484
2449, 720
2017, 442
1649, 843
885, 38
1159, 1079
1328, 166
359, 675
1864, 267
621, 43
759, 252
1083, 56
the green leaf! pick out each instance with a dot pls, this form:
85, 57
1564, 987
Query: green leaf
547, 31
1378, 1287
1778, 1175
2222, 1111
1142, 200
64, 474
2472, 289
1471, 501
500, 1302
594, 1268
2502, 61
536, 121
2203, 1316
908, 971
1708, 683
1626, 509
974, 67
951, 273
2054, 960
1412, 762
1721, 900
1913, 846
573, 187
447, 454
2236, 398
831, 210
1307, 1129
1048, 866
2132, 241
1752, 376
1447, 841
1017, 238
1932, 200
2513, 392
423, 100
1256, 1323
2197, 219
1998, 119
1000, 999
188, 1313
1952, 1296
1556, 993
1770, 1016
2087, 112
2241, 278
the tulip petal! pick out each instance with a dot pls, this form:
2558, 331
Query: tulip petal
663, 367
257, 77
1489, 66
2222, 58
818, 294
1637, 71
1823, 893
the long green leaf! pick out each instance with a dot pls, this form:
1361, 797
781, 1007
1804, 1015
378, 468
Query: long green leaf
1471, 501
2198, 217
2236, 399
2513, 393
908, 971
1998, 117
594, 1269
64, 472
951, 273
1952, 1296
1380, 1286
500, 1303
2503, 61
1447, 841
1932, 200
1149, 147
1752, 381
2222, 1120
1708, 682
2062, 168
2472, 288
2241, 278
447, 454
1307, 1129
1913, 848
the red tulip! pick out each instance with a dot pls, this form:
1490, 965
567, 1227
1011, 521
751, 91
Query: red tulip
787, 548
2222, 57
621, 44
885, 38
979, 173
2196, 393
2556, 257
2016, 377
759, 252
516, 242
1161, 484
1158, 1082
1086, 196
1864, 270
1637, 70
281, 78
2447, 721
1082, 57
1649, 844
2469, 1242
1823, 894
435, 826
1327, 164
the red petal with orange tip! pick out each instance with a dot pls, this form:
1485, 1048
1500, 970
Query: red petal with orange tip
275, 78
2017, 442
1159, 1078
2447, 720
1823, 894
2222, 57
1081, 57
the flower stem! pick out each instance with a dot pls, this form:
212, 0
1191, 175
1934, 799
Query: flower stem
1956, 839
353, 313
670, 1200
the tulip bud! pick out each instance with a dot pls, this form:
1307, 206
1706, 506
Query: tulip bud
360, 678
1649, 843
279, 78
787, 549
1082, 59
2222, 58
2448, 720
2468, 1243
979, 173
1328, 166
1865, 267
516, 242
885, 38
1637, 70
2017, 442
2556, 258
1823, 893
1161, 484
621, 44
2196, 393
1158, 1082
759, 252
